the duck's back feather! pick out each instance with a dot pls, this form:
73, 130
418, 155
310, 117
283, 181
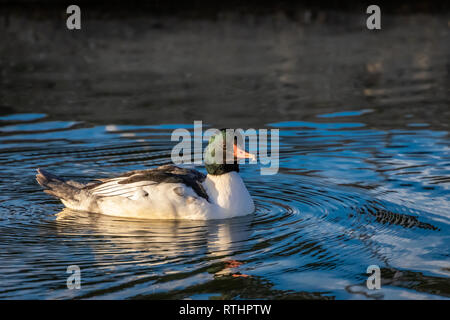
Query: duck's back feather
128, 182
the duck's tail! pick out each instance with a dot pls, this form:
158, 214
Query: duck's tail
72, 194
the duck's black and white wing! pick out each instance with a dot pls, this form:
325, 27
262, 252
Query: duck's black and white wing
139, 182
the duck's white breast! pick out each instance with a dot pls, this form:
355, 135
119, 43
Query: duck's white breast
228, 191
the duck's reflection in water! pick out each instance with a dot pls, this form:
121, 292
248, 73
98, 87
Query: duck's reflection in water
161, 245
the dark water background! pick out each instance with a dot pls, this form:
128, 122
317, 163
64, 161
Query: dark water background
364, 152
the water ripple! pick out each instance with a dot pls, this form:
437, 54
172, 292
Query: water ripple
315, 224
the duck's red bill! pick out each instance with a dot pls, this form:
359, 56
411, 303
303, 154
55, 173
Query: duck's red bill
242, 154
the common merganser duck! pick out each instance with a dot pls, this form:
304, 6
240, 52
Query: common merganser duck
166, 192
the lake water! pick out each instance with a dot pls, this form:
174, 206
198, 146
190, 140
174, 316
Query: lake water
364, 173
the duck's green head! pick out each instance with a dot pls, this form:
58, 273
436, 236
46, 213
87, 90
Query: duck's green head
223, 153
